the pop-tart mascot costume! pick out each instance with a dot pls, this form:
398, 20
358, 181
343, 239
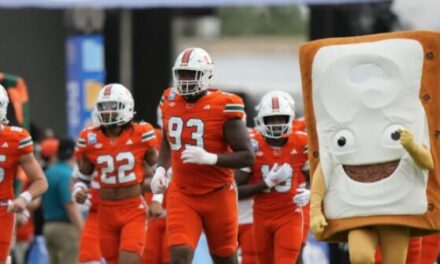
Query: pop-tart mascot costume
372, 107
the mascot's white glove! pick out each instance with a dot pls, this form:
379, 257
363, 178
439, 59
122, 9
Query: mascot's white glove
278, 174
198, 155
302, 197
160, 181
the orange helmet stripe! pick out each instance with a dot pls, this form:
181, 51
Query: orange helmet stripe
186, 55
275, 103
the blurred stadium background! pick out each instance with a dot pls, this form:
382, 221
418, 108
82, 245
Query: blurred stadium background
254, 44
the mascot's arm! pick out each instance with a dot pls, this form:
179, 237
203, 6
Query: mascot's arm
420, 154
317, 219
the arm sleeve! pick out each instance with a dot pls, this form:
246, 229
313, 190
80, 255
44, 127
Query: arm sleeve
149, 136
25, 143
81, 144
234, 107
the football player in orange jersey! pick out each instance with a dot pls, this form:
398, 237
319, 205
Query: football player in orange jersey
281, 156
89, 251
303, 193
16, 149
303, 196
203, 138
121, 152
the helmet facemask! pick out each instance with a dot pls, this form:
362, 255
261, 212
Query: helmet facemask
276, 126
190, 82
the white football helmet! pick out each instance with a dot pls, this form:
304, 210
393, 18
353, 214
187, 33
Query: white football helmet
197, 60
278, 93
4, 101
274, 106
114, 105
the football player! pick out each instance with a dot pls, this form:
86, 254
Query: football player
281, 156
122, 152
16, 149
303, 192
204, 137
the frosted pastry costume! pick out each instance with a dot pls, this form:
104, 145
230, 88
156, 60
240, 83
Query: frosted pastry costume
358, 93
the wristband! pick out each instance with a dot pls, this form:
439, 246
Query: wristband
160, 170
27, 197
158, 198
211, 158
80, 185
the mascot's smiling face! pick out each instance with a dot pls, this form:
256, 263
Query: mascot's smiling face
362, 94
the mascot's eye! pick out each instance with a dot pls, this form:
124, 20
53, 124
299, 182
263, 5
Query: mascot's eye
343, 141
391, 135
395, 135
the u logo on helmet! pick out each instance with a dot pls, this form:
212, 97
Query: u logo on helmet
107, 90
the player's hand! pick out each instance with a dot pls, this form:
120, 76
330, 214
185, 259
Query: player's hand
18, 205
317, 224
198, 155
80, 194
155, 210
407, 139
302, 197
160, 181
278, 174
23, 218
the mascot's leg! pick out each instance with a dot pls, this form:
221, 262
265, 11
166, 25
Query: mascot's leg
362, 244
394, 242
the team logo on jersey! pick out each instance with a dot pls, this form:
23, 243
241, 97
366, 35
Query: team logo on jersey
91, 138
277, 152
5, 145
172, 96
254, 144
294, 152
259, 153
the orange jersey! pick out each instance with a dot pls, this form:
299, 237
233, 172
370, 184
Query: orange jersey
279, 198
119, 161
199, 124
14, 143
158, 132
94, 193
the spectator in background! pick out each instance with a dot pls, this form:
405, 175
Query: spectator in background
63, 220
46, 152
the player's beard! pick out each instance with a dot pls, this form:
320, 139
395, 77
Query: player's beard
191, 98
